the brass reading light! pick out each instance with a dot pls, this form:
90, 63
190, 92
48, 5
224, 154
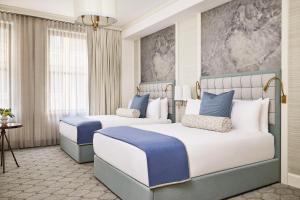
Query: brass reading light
138, 90
283, 96
167, 86
198, 90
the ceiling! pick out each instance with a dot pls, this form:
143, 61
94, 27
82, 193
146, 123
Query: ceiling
127, 10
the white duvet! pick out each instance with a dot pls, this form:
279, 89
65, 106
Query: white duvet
70, 131
208, 151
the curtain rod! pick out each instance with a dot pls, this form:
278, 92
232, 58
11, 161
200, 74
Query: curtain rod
43, 15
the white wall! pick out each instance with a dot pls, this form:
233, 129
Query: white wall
187, 72
293, 116
127, 72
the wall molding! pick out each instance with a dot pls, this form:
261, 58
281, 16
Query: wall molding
294, 180
35, 13
43, 15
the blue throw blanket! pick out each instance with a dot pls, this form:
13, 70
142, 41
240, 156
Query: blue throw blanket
85, 128
167, 158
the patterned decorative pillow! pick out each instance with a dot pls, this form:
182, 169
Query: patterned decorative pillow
126, 112
218, 124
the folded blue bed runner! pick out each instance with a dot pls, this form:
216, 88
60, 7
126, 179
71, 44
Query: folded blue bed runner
86, 128
167, 158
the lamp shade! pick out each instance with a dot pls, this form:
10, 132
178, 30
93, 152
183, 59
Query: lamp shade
178, 93
186, 93
105, 10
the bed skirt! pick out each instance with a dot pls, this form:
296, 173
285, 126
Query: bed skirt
213, 186
80, 153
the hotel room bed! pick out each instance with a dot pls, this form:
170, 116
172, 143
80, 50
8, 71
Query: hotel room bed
207, 151
78, 144
221, 165
70, 131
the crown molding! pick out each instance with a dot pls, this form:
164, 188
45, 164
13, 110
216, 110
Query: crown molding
35, 13
44, 15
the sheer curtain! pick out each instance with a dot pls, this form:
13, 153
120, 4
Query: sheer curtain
43, 75
49, 69
67, 71
5, 28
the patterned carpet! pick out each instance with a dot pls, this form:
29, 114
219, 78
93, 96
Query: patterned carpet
48, 173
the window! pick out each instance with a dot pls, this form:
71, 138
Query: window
4, 65
67, 72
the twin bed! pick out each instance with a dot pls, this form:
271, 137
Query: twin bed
77, 141
218, 165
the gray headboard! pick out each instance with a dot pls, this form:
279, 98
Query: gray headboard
249, 86
160, 89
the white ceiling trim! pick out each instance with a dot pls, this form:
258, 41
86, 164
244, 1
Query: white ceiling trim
35, 13
45, 15
158, 16
167, 16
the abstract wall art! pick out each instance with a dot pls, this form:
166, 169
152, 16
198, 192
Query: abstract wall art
158, 56
242, 35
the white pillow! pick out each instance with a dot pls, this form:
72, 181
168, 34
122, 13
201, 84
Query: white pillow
129, 103
153, 109
164, 108
245, 115
193, 107
264, 115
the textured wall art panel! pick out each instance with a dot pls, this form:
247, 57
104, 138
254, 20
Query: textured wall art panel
242, 35
158, 56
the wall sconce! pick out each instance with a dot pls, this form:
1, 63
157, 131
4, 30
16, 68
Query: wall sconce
283, 96
182, 94
167, 86
198, 90
138, 90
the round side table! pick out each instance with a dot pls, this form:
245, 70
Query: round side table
3, 128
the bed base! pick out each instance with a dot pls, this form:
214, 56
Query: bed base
213, 186
80, 153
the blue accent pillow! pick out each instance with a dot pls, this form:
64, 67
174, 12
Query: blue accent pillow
140, 103
217, 105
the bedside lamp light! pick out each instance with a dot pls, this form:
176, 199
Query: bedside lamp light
186, 93
178, 93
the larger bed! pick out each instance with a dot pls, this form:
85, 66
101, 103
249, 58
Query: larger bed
220, 165
79, 146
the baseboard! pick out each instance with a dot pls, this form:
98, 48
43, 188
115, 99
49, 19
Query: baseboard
294, 180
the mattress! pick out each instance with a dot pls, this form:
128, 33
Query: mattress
207, 151
70, 131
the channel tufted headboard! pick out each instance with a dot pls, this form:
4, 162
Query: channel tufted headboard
160, 89
249, 86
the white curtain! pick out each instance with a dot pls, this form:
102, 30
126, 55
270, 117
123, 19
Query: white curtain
67, 71
43, 75
5, 28
49, 69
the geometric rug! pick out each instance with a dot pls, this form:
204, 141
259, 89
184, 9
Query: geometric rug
49, 173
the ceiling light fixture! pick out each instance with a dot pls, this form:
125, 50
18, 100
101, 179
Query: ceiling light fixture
95, 13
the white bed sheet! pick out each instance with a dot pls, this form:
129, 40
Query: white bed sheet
208, 151
70, 131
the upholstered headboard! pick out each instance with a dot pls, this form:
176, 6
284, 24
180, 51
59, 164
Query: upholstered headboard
249, 86
160, 89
